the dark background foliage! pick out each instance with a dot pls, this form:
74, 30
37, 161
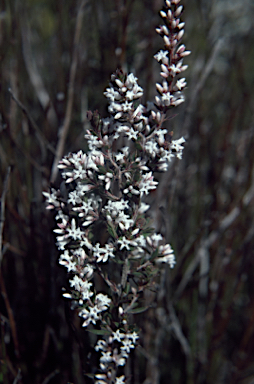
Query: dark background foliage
200, 325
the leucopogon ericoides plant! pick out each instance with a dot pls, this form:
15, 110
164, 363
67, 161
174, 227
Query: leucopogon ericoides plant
102, 219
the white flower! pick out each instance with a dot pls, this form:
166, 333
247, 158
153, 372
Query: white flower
93, 141
51, 199
147, 183
131, 81
143, 207
174, 69
166, 155
131, 190
114, 207
107, 178
114, 107
79, 163
74, 232
101, 345
138, 113
87, 270
141, 241
120, 380
102, 378
102, 302
125, 243
90, 316
65, 259
177, 99
80, 254
85, 243
161, 55
67, 230
133, 336
82, 286
78, 173
126, 106
103, 253
112, 94
166, 99
78, 283
84, 209
61, 243
130, 95
127, 345
61, 216
106, 357
129, 131
124, 221
118, 359
126, 151
134, 93
86, 315
154, 240
118, 336
180, 84
131, 134
151, 147
168, 255
120, 157
160, 133
114, 211
178, 147
102, 381
74, 198
86, 294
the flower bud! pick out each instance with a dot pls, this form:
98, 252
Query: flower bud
166, 40
119, 83
178, 10
67, 295
185, 53
165, 30
163, 14
181, 25
169, 14
173, 24
180, 34
120, 311
135, 231
159, 87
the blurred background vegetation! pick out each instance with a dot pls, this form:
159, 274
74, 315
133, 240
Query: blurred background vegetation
55, 61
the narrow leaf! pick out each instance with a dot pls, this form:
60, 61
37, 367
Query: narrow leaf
99, 331
138, 310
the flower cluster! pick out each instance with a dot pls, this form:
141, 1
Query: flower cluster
114, 352
141, 127
102, 223
171, 58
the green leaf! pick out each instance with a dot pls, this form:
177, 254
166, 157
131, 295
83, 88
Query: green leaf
99, 331
127, 289
138, 274
136, 177
138, 310
101, 168
138, 146
112, 231
117, 261
147, 231
154, 254
90, 375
